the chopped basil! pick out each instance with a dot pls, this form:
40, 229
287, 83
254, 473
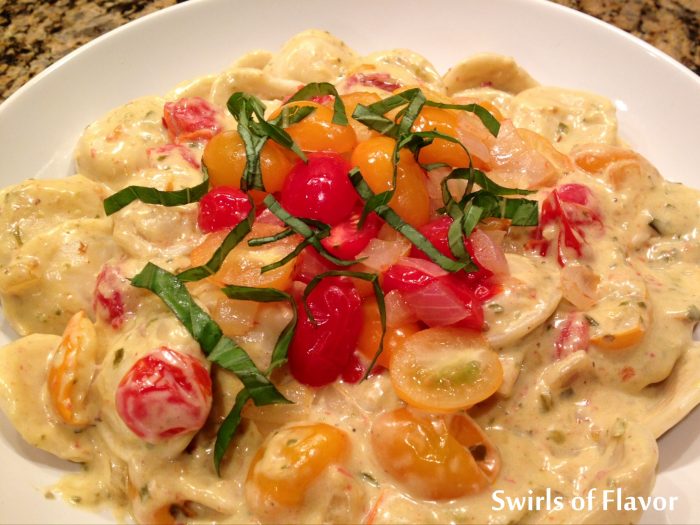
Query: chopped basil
118, 356
228, 428
319, 89
122, 198
216, 346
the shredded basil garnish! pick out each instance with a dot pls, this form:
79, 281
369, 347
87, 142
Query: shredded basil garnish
228, 429
123, 198
319, 89
216, 346
408, 231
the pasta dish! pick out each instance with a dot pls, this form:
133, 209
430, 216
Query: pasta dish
320, 287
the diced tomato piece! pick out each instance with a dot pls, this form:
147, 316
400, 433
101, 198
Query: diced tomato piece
108, 301
378, 80
221, 208
574, 335
191, 119
346, 241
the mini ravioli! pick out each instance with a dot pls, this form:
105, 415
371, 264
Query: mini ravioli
320, 287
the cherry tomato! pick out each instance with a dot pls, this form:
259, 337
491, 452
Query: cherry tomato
225, 159
346, 241
320, 189
411, 200
435, 458
445, 369
222, 208
351, 100
191, 119
317, 132
164, 394
319, 353
371, 332
289, 462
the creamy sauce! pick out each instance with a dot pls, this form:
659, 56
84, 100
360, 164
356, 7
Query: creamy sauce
569, 417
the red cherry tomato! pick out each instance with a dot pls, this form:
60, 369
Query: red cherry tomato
320, 189
319, 354
165, 394
346, 241
191, 119
221, 208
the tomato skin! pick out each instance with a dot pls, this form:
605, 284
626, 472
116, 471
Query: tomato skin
574, 208
405, 279
319, 354
190, 119
346, 241
574, 335
320, 189
165, 394
223, 207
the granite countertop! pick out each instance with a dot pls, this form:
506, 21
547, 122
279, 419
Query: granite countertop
37, 33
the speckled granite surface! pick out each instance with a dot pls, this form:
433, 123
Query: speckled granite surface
35, 33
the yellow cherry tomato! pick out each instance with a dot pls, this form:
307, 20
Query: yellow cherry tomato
371, 332
225, 159
242, 265
445, 369
351, 100
411, 200
317, 132
289, 462
433, 457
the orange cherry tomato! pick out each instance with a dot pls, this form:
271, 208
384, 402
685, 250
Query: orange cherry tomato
224, 156
435, 458
372, 332
70, 371
445, 369
411, 200
317, 132
289, 462
351, 100
242, 265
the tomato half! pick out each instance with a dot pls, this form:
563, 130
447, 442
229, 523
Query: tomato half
445, 369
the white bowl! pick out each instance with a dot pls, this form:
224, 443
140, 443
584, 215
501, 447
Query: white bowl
658, 103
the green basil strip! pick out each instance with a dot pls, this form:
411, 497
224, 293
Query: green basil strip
260, 241
228, 428
122, 198
251, 178
300, 227
378, 294
217, 347
319, 89
487, 119
233, 239
284, 260
408, 231
292, 114
269, 295
279, 135
521, 212
373, 117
